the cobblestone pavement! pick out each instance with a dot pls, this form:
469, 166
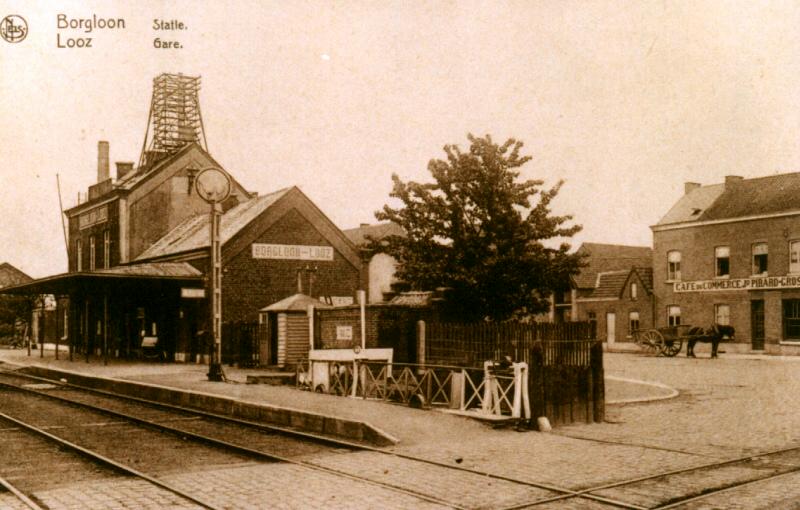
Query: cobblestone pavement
286, 486
781, 493
112, 495
10, 502
727, 408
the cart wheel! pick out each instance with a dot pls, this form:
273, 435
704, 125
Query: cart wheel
652, 341
672, 347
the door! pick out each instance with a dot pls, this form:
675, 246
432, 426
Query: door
757, 324
611, 327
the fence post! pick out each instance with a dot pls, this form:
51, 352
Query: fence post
310, 313
421, 343
536, 383
598, 396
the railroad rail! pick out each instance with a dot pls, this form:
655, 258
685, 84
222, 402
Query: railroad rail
548, 490
29, 501
621, 494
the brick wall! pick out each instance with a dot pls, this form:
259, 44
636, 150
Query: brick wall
251, 284
697, 245
386, 326
111, 225
621, 308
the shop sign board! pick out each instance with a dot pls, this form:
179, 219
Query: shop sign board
752, 283
292, 252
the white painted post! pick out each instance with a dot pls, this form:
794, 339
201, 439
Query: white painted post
362, 302
526, 401
310, 312
516, 409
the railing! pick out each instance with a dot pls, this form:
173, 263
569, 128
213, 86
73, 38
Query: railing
492, 390
472, 344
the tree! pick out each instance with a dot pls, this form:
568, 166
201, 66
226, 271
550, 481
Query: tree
477, 231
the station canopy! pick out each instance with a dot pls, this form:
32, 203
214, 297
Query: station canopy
119, 278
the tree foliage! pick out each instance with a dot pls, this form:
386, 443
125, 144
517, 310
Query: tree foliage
478, 231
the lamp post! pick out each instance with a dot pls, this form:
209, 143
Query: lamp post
214, 186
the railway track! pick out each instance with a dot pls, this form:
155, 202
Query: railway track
33, 457
404, 473
259, 441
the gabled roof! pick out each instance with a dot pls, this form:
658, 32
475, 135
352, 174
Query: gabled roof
692, 205
132, 180
193, 233
157, 269
610, 284
358, 235
738, 198
10, 275
294, 303
604, 258
646, 276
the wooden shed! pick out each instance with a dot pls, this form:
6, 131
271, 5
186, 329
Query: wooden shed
287, 323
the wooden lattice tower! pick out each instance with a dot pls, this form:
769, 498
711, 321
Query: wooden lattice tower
174, 119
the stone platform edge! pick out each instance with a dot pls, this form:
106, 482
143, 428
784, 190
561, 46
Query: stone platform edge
296, 419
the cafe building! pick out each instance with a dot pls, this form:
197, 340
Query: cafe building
729, 253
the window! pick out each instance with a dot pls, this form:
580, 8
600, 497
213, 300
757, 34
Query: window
794, 257
673, 315
634, 291
722, 314
106, 249
791, 319
592, 317
760, 258
91, 253
723, 256
674, 265
633, 322
78, 255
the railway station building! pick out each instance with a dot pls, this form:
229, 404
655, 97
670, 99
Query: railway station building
729, 253
139, 246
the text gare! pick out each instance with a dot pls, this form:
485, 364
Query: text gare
87, 25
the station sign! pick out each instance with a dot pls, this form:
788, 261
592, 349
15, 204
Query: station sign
292, 252
193, 293
752, 283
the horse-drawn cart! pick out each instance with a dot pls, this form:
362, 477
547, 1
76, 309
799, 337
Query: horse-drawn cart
668, 341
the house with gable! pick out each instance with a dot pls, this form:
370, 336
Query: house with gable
614, 290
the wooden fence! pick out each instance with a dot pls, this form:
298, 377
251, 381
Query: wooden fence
241, 343
565, 362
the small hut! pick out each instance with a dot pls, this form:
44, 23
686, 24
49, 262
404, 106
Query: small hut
288, 326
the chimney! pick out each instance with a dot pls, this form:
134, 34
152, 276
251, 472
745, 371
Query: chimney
123, 168
730, 180
103, 172
688, 187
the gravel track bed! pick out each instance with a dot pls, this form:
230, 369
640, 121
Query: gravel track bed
134, 445
31, 462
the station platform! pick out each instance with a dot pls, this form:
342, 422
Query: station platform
410, 427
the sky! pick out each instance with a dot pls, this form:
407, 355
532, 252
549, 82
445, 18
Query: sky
623, 100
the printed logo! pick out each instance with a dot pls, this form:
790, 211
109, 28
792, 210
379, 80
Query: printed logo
13, 28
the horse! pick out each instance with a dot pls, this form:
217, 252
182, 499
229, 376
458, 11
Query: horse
715, 334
